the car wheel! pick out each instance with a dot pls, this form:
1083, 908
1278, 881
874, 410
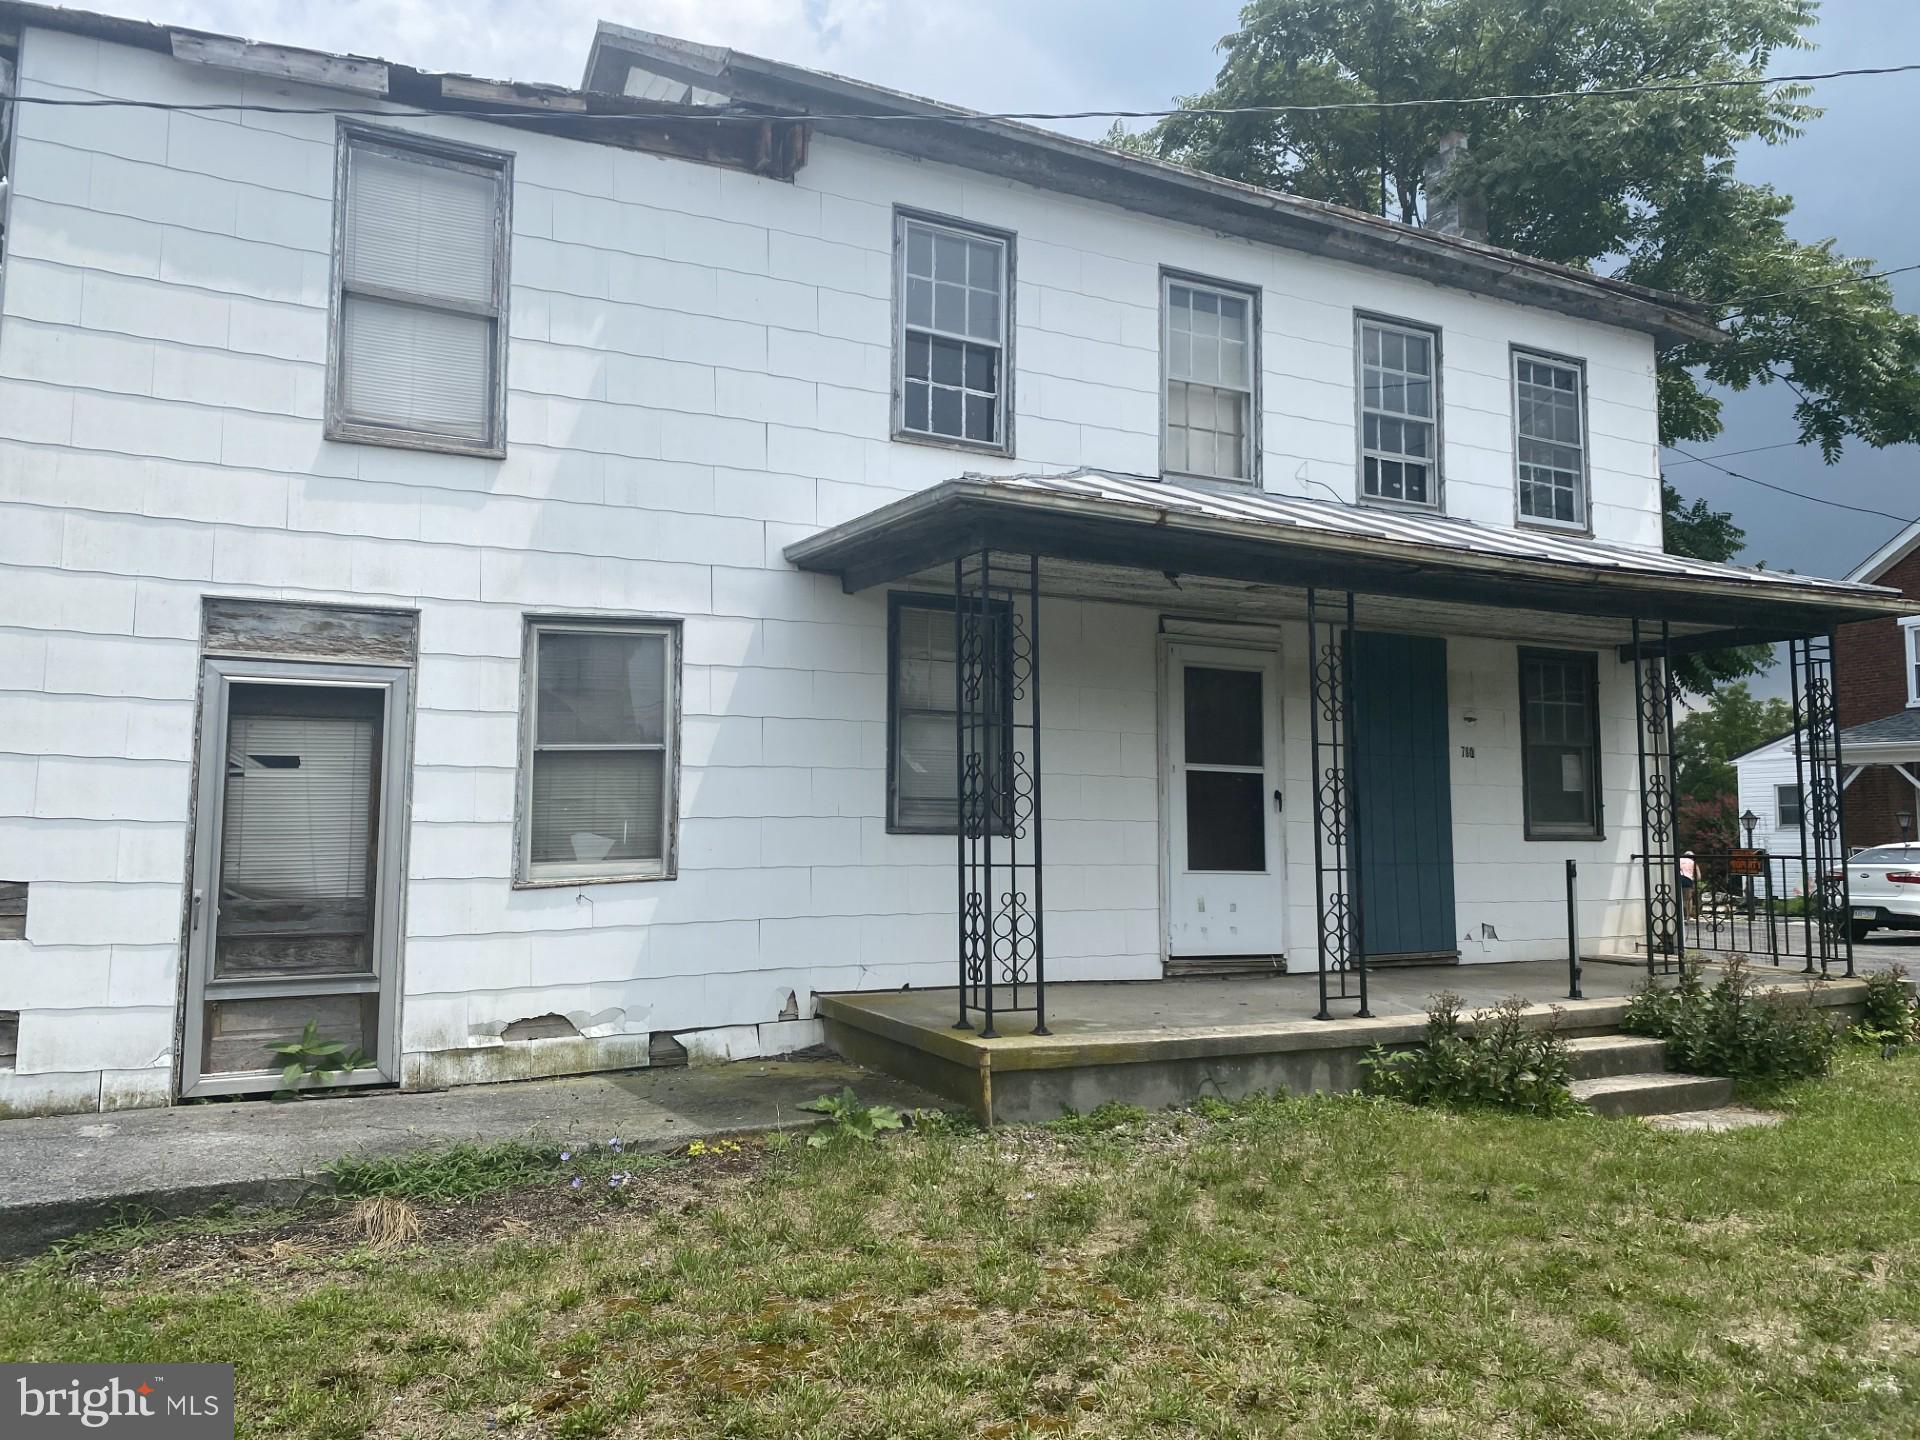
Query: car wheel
1861, 929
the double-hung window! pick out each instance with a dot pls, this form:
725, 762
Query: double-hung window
597, 781
923, 738
419, 345
1550, 440
1786, 807
1560, 744
1399, 403
952, 356
1910, 648
1209, 351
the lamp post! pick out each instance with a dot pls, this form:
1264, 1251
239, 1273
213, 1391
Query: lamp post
1749, 821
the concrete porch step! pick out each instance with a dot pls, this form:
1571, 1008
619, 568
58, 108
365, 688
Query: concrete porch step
1594, 1056
1646, 1094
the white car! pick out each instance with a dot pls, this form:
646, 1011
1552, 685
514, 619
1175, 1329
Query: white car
1883, 888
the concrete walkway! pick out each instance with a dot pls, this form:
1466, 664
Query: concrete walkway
65, 1174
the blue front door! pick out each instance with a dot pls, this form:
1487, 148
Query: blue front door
1404, 795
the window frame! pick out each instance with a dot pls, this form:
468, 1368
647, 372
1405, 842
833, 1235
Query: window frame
406, 145
1583, 525
903, 218
1597, 830
898, 600
1780, 821
1438, 504
526, 874
1910, 648
1254, 434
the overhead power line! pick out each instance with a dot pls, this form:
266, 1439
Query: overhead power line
1824, 285
1614, 92
1796, 494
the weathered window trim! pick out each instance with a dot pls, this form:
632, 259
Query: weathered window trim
528, 876
412, 147
903, 216
897, 601
1584, 525
1910, 654
1597, 829
1361, 320
1255, 430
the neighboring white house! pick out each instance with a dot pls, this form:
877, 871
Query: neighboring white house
1770, 785
397, 629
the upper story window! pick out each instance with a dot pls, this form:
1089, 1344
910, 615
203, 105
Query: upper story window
1786, 807
952, 354
1550, 440
1910, 649
419, 346
597, 776
1210, 354
1399, 400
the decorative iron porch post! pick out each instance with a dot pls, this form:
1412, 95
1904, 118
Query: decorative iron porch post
1817, 767
996, 687
1653, 689
1340, 933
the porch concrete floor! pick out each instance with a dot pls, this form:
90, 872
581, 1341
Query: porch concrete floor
1169, 1007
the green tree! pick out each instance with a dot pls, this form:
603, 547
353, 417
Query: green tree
1697, 530
1642, 186
1707, 741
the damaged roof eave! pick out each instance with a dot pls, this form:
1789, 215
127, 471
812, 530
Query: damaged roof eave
1053, 161
961, 516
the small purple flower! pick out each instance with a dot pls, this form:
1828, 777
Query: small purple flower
566, 1155
574, 1183
614, 1144
616, 1181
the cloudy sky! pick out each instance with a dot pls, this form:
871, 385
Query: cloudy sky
1852, 174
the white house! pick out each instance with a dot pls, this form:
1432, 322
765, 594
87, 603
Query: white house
479, 566
1770, 784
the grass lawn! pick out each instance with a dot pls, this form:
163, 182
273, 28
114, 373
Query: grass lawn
1315, 1267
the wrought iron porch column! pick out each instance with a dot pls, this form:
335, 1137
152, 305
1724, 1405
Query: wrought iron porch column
1653, 690
997, 794
1340, 932
1817, 734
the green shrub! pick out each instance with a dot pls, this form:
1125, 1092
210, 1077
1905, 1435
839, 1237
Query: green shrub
1735, 1027
1498, 1063
1891, 1019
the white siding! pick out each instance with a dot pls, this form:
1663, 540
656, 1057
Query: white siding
699, 374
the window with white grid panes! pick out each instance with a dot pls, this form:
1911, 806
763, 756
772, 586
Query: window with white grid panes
1550, 441
952, 350
1399, 449
1210, 356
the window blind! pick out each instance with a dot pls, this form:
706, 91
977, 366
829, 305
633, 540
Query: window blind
298, 814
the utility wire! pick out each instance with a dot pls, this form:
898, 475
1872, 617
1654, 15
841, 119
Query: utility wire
1808, 289
1797, 494
963, 117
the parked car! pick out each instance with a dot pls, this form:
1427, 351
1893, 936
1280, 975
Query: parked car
1882, 888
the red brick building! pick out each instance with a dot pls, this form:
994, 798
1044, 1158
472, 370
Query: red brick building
1877, 704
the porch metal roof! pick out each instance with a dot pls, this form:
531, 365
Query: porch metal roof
1250, 536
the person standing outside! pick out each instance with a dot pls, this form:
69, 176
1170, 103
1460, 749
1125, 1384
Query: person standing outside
1689, 885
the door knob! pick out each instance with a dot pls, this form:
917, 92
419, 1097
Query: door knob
1279, 804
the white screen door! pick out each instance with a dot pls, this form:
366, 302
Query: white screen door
1221, 719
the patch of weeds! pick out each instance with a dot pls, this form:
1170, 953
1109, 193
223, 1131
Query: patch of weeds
460, 1172
1501, 1063
1892, 1017
848, 1119
1736, 1028
1114, 1117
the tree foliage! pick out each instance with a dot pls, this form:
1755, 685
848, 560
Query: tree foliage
1706, 742
1695, 529
1642, 185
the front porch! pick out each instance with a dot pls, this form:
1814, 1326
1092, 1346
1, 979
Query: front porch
1167, 1042
1358, 736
